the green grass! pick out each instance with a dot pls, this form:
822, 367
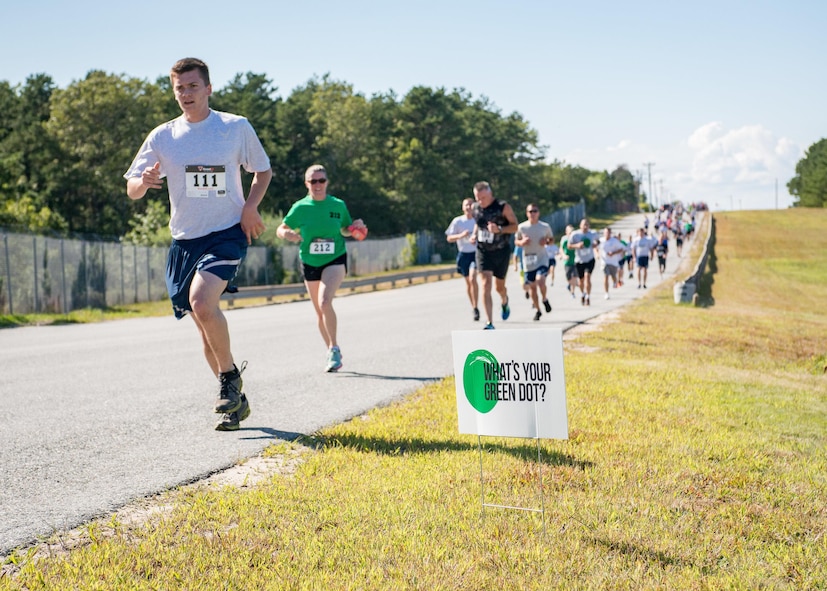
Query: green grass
696, 460
86, 315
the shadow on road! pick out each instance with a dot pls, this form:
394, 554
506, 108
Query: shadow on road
373, 376
269, 433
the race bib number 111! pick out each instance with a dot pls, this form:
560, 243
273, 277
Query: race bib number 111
204, 182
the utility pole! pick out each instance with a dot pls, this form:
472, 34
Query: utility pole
661, 200
649, 166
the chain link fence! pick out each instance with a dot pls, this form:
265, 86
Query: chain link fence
40, 274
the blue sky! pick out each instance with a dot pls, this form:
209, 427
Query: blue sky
723, 97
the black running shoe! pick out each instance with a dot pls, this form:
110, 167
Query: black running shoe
547, 306
537, 315
476, 314
230, 421
229, 397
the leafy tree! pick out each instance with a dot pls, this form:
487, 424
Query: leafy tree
623, 191
566, 182
253, 96
11, 167
402, 164
809, 184
505, 152
294, 129
351, 143
598, 185
24, 213
150, 227
27, 156
99, 123
446, 141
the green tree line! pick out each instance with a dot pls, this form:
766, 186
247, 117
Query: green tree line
809, 185
402, 163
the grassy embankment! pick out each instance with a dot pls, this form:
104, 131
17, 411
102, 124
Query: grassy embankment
697, 459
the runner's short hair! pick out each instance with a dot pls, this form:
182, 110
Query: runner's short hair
308, 174
188, 64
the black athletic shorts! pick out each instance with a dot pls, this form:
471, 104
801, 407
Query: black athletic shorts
311, 273
495, 261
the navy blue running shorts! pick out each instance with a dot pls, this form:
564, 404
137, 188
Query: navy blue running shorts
531, 276
219, 253
465, 262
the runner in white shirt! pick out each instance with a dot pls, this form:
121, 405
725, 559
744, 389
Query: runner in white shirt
611, 251
532, 236
642, 247
200, 154
459, 232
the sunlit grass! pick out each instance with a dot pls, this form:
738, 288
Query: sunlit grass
86, 315
696, 460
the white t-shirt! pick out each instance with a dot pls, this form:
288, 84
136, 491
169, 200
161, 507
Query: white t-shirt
611, 245
534, 253
457, 226
643, 246
202, 164
586, 253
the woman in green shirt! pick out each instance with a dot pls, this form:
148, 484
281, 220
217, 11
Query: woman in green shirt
568, 256
320, 223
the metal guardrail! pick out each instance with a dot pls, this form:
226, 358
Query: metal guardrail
687, 290
269, 292
700, 267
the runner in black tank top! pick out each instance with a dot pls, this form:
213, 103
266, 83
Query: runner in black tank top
495, 221
493, 213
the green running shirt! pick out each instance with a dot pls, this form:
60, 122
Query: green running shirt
319, 223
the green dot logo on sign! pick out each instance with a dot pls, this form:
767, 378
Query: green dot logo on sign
479, 379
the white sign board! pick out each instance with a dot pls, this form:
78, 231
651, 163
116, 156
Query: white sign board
510, 383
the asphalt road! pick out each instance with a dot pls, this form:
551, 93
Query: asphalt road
99, 415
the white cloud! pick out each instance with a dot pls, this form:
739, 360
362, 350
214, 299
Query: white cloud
621, 145
749, 154
705, 135
746, 167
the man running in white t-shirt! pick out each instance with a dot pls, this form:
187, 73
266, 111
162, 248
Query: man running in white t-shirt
459, 232
642, 247
611, 251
